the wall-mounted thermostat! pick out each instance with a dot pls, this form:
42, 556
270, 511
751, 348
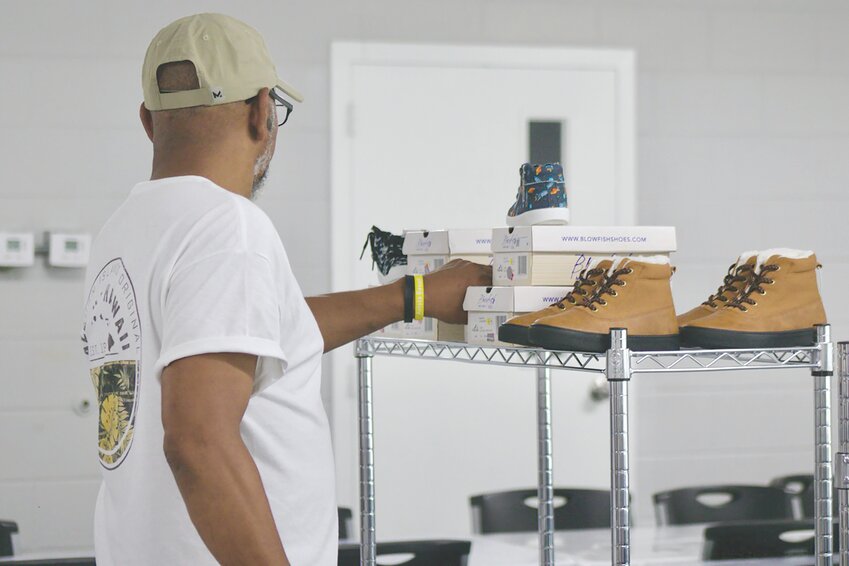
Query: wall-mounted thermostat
69, 250
17, 249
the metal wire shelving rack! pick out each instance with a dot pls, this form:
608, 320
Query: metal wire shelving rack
618, 365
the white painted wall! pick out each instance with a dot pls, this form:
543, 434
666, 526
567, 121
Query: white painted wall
744, 133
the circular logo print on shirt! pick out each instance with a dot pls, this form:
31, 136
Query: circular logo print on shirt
112, 341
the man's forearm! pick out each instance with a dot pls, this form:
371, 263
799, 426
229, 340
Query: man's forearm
223, 492
344, 317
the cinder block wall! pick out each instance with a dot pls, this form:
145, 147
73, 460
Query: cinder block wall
743, 138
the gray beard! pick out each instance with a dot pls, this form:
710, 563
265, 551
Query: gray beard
259, 184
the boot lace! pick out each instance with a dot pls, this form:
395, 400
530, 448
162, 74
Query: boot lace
736, 275
607, 288
585, 279
755, 286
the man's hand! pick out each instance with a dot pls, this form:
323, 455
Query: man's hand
343, 317
446, 287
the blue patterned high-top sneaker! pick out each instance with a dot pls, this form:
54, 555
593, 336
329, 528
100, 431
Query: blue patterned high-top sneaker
541, 198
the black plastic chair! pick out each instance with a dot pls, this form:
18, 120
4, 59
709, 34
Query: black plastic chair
774, 539
794, 484
53, 562
7, 529
800, 489
517, 511
721, 503
421, 552
346, 523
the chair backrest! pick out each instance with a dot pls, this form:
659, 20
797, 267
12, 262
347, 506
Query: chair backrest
721, 503
773, 539
800, 489
794, 484
7, 529
517, 511
411, 553
346, 523
53, 562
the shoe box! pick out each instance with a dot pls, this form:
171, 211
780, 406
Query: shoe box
555, 255
427, 251
425, 329
470, 245
490, 307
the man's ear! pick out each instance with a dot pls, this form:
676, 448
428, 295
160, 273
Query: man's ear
261, 119
146, 120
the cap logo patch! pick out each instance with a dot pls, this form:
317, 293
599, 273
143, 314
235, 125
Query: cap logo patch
217, 94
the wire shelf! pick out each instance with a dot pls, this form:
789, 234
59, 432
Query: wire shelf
724, 360
525, 357
641, 362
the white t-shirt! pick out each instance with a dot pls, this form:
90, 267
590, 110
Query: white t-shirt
184, 267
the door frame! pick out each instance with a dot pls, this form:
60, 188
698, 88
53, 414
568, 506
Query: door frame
347, 55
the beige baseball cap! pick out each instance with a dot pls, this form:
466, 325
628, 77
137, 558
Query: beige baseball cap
230, 57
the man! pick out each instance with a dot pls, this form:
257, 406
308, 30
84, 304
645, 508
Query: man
206, 357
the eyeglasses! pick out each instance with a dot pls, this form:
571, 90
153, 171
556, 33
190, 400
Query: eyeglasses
283, 106
279, 102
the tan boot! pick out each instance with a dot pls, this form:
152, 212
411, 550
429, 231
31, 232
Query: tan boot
739, 276
778, 309
515, 330
635, 295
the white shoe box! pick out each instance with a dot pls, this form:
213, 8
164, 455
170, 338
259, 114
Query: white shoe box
551, 269
490, 307
425, 329
555, 255
473, 245
585, 239
426, 250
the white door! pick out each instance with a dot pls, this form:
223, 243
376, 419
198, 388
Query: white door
432, 137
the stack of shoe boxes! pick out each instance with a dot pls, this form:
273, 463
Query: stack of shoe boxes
469, 245
549, 258
555, 255
427, 251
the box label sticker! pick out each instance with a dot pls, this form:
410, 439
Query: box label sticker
485, 302
482, 328
515, 242
422, 245
422, 265
511, 268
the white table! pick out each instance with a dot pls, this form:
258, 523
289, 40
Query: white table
673, 546
667, 546
49, 555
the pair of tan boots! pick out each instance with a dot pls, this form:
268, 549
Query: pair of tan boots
767, 300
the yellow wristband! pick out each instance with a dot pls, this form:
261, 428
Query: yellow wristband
418, 297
